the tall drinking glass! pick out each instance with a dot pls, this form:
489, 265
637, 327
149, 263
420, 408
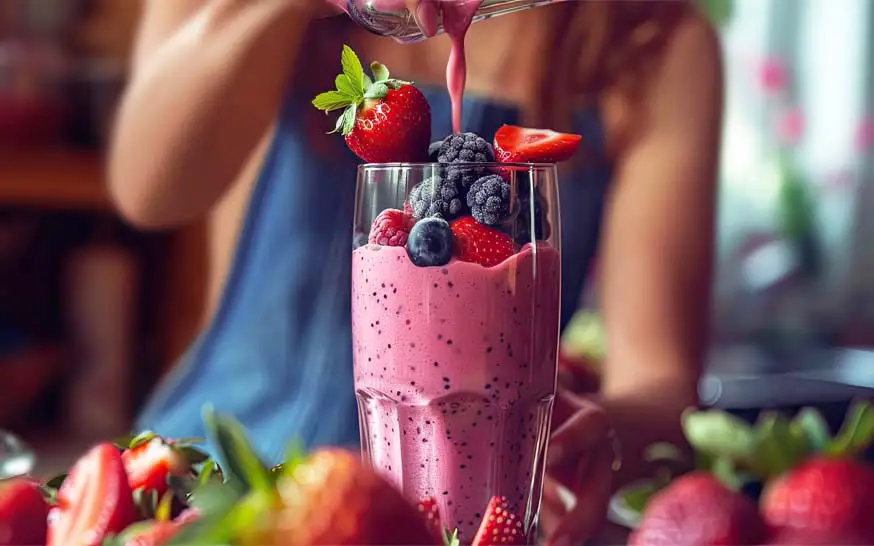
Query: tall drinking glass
455, 333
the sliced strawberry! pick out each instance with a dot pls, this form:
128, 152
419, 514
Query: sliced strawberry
428, 508
384, 119
478, 243
153, 533
520, 145
148, 465
94, 501
391, 228
23, 512
500, 525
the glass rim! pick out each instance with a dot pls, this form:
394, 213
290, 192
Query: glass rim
469, 165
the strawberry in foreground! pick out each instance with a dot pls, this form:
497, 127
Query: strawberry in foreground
477, 243
823, 496
334, 499
95, 500
697, 510
384, 120
149, 463
499, 526
23, 512
521, 145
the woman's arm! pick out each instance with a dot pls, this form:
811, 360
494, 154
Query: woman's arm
659, 245
208, 76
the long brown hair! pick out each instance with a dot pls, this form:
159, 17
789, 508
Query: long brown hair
595, 46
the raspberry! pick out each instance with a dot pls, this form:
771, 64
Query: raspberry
436, 196
465, 148
390, 228
489, 199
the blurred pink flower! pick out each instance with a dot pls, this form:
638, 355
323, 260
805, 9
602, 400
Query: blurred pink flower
773, 76
790, 127
864, 139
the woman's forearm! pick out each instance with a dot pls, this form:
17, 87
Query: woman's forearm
198, 105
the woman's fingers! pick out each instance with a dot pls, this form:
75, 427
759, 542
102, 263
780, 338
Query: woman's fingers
592, 490
552, 508
575, 439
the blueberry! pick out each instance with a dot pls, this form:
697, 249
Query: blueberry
430, 243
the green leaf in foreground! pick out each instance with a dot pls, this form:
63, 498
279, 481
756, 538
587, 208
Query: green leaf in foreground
810, 425
719, 434
857, 434
239, 461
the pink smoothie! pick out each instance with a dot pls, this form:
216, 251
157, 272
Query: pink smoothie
457, 18
455, 371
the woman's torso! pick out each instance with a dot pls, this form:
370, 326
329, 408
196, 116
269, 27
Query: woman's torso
276, 351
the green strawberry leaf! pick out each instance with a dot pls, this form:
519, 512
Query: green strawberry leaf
331, 100
379, 71
192, 454
113, 540
857, 433
810, 425
164, 509
451, 538
719, 434
241, 463
142, 438
376, 91
367, 81
216, 529
55, 483
777, 448
215, 498
146, 502
636, 498
725, 470
353, 70
663, 452
347, 88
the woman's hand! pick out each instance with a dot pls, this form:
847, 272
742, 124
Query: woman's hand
579, 471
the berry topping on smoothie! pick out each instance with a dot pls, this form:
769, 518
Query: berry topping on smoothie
391, 228
384, 120
430, 243
477, 243
436, 195
489, 199
521, 145
465, 148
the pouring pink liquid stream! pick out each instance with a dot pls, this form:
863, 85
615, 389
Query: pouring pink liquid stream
457, 18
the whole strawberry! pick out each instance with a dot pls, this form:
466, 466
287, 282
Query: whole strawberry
697, 510
384, 120
333, 499
481, 244
823, 496
23, 513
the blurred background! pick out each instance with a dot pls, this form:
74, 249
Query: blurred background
92, 313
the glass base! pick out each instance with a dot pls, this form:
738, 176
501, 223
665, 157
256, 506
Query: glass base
462, 450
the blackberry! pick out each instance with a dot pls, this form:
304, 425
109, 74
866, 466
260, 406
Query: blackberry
489, 199
522, 221
434, 196
465, 148
434, 151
